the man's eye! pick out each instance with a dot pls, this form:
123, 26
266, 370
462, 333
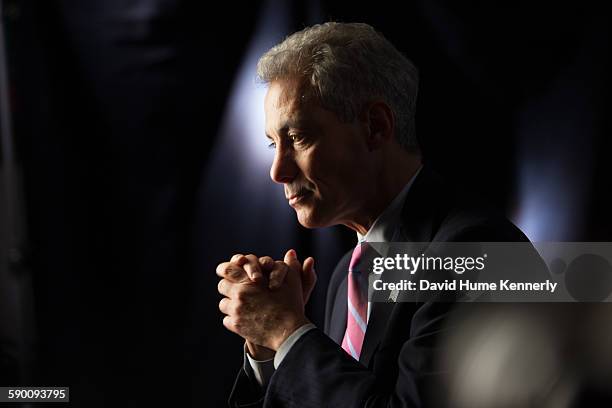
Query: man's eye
295, 138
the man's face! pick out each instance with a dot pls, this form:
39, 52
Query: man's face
321, 161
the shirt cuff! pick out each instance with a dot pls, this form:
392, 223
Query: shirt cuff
262, 369
284, 348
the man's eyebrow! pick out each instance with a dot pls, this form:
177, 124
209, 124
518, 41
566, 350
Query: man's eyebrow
288, 124
284, 129
298, 123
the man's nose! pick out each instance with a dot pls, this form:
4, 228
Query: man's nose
284, 168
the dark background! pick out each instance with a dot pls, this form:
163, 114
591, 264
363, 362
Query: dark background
136, 179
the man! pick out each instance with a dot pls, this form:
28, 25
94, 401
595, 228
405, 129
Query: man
340, 114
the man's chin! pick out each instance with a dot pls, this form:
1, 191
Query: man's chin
308, 219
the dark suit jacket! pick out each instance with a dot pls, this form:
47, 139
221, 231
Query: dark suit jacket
396, 366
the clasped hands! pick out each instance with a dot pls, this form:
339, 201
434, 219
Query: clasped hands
264, 299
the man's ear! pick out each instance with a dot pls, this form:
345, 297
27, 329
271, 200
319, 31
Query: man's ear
380, 121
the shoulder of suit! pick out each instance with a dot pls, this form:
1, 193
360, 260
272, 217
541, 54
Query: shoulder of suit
455, 214
477, 223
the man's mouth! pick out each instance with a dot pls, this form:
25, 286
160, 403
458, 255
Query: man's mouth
298, 197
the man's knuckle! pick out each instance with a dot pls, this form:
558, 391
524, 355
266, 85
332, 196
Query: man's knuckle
221, 268
230, 325
233, 271
237, 257
239, 308
241, 296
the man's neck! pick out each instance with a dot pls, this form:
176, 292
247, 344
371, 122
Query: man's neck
394, 176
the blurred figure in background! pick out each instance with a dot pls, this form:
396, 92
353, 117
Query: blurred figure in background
549, 356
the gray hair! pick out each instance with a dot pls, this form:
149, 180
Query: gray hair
347, 65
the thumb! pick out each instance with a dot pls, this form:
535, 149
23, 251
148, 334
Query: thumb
309, 278
292, 261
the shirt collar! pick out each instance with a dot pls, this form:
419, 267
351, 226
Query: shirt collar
384, 227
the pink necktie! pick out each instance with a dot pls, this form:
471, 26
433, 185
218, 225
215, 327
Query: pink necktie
357, 307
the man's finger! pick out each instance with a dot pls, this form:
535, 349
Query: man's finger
221, 269
229, 324
309, 278
278, 274
266, 263
308, 271
239, 259
231, 271
253, 268
225, 287
292, 261
224, 306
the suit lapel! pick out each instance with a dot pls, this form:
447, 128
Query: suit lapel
379, 317
337, 325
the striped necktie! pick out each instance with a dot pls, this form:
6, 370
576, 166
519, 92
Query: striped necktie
357, 306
